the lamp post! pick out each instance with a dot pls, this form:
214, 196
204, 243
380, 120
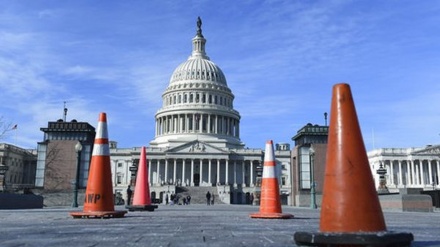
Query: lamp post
78, 149
312, 178
3, 170
382, 180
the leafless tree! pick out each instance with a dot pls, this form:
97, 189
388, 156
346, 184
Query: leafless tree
4, 128
54, 172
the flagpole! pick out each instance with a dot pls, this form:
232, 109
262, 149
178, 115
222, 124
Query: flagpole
15, 132
14, 128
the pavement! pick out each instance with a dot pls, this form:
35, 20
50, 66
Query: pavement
186, 225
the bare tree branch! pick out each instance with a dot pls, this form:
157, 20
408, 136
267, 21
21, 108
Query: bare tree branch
4, 128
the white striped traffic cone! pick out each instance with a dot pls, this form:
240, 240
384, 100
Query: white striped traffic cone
99, 192
270, 202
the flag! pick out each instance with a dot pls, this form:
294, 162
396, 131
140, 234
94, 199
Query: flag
14, 127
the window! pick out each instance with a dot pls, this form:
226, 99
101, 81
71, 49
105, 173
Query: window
304, 168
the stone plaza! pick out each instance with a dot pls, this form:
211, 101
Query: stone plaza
186, 225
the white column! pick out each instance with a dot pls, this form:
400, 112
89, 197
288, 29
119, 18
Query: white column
408, 181
201, 171
115, 174
438, 172
417, 172
209, 172
174, 171
227, 172
166, 171
400, 173
209, 124
201, 123
391, 172
243, 173
181, 119
185, 118
192, 172
158, 172
235, 173
150, 178
171, 124
216, 124
165, 125
218, 171
430, 172
193, 123
413, 176
251, 163
183, 171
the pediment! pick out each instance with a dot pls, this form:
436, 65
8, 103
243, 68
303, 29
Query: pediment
430, 150
195, 147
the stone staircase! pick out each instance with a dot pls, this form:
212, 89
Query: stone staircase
198, 194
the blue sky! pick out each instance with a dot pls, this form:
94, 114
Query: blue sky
280, 58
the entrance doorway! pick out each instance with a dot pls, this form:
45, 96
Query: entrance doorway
196, 179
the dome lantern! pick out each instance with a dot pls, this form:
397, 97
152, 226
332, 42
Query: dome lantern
199, 43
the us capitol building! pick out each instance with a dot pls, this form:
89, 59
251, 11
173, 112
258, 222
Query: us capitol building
197, 146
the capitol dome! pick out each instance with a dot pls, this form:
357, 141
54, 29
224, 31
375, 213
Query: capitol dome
201, 69
197, 104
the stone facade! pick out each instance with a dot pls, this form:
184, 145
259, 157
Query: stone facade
20, 165
407, 167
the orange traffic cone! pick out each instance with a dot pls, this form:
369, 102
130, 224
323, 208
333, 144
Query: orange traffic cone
142, 199
351, 213
270, 204
99, 192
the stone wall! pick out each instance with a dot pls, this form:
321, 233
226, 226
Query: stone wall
406, 202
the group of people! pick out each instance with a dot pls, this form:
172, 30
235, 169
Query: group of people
174, 199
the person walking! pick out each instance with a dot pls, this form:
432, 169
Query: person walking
208, 198
129, 194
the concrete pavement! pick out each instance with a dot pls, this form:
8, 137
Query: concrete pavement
189, 225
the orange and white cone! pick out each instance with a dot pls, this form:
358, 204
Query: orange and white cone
98, 201
351, 214
270, 202
142, 198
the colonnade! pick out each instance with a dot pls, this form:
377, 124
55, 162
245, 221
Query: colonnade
412, 173
202, 172
197, 123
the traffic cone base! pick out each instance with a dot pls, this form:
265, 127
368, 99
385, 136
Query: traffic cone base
371, 239
270, 203
351, 214
103, 214
141, 207
271, 216
98, 201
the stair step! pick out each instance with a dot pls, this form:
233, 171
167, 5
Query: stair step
198, 194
